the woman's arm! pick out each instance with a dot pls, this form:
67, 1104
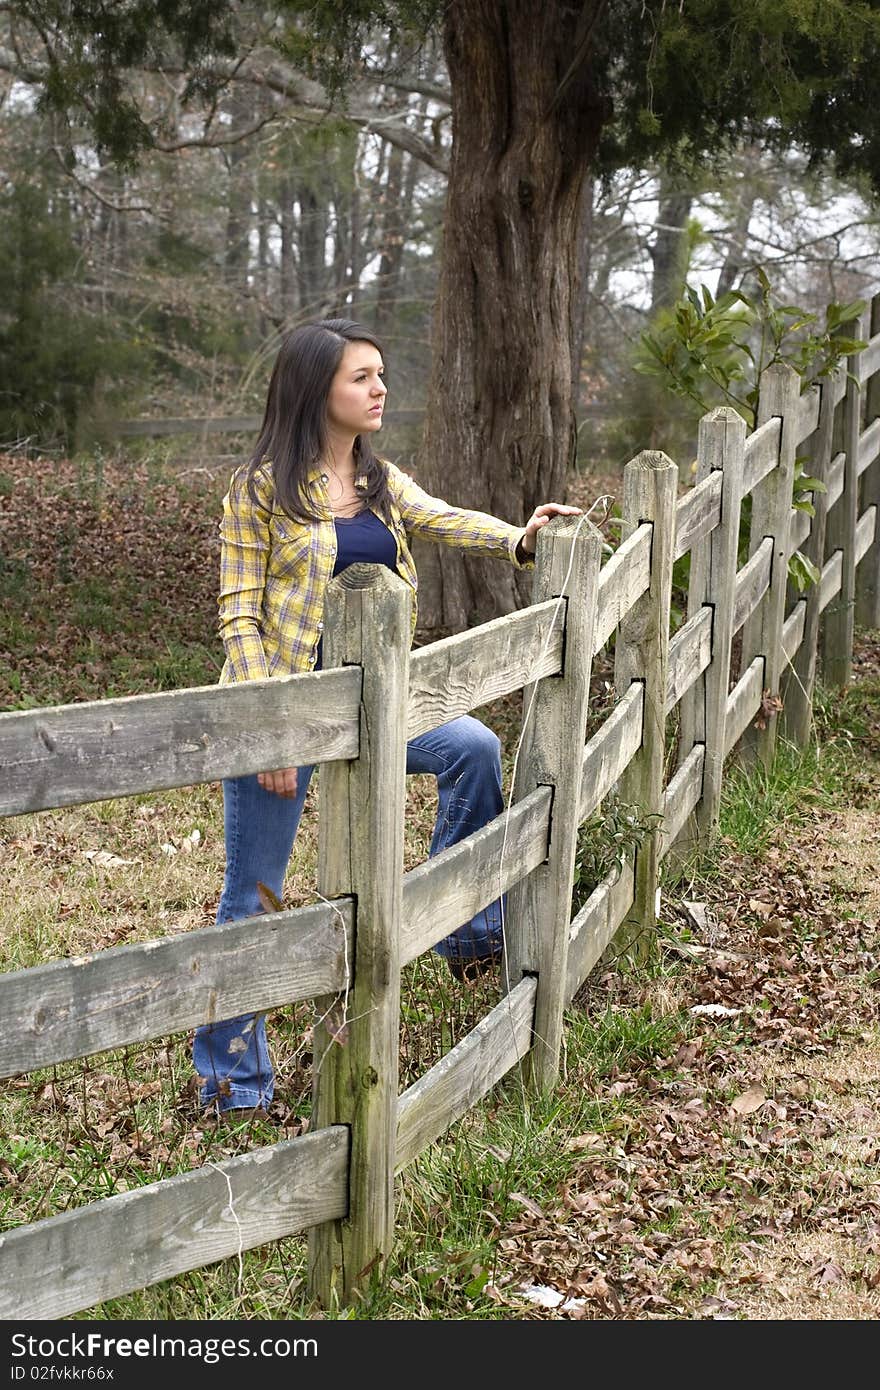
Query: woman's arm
244, 555
437, 520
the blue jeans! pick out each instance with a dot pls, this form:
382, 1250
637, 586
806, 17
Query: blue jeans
260, 826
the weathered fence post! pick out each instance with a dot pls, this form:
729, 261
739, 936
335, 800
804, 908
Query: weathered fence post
650, 483
839, 621
800, 681
361, 853
771, 516
868, 574
539, 907
721, 447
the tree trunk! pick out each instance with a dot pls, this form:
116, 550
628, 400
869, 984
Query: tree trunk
669, 248
500, 432
286, 261
392, 242
747, 196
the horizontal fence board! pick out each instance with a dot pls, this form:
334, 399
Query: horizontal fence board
595, 926
793, 629
799, 528
869, 360
449, 889
467, 1073
762, 453
64, 754
808, 413
838, 386
865, 531
869, 445
127, 1242
690, 652
743, 703
752, 582
225, 424
834, 484
697, 513
622, 580
611, 749
682, 795
451, 677
829, 584
128, 994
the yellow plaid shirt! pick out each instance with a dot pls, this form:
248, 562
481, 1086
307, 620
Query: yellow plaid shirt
274, 569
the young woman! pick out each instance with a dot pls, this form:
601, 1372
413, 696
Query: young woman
314, 499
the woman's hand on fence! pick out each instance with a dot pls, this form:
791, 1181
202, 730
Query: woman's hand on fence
539, 517
282, 781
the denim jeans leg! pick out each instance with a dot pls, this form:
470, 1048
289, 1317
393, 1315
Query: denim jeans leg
232, 1056
465, 757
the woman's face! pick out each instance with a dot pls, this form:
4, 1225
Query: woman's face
357, 392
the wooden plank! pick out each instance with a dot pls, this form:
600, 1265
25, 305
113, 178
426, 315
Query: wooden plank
838, 389
836, 470
460, 881
793, 629
743, 702
869, 445
65, 754
865, 532
799, 683
697, 513
771, 515
642, 653
799, 528
721, 451
451, 677
869, 359
611, 749
622, 581
555, 719
467, 1073
808, 413
829, 584
224, 424
682, 796
109, 1248
868, 575
597, 923
762, 453
838, 627
690, 652
127, 994
367, 623
752, 583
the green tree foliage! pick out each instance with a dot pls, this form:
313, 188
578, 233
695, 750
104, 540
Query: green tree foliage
52, 354
684, 80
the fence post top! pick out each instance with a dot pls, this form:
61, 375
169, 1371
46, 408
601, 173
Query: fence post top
724, 415
651, 460
782, 372
571, 526
377, 577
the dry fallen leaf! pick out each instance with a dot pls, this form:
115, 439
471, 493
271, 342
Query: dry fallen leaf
584, 1141
750, 1100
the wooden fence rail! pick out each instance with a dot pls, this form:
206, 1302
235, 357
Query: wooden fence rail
337, 1183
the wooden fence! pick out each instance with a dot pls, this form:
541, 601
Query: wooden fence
337, 1182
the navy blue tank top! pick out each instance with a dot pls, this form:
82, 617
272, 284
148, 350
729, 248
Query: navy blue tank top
361, 540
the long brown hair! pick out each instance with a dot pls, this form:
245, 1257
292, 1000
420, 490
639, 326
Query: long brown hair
293, 435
